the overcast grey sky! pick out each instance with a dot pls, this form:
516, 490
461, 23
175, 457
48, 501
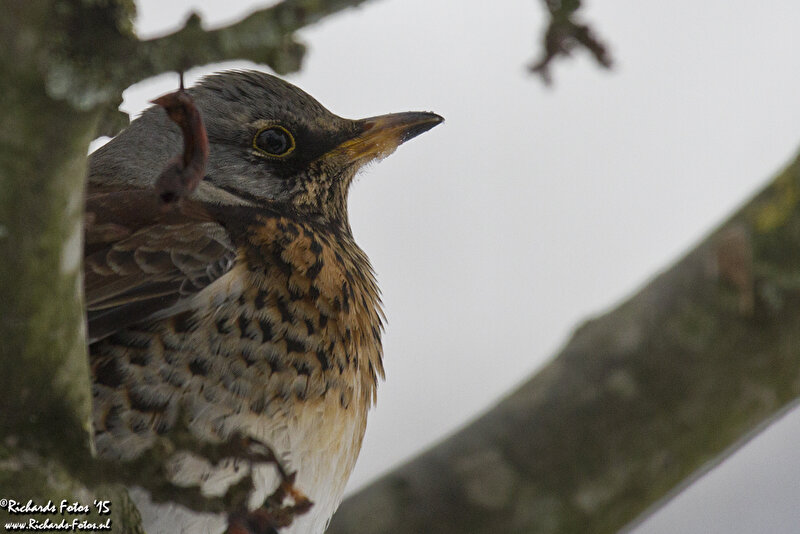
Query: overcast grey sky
532, 208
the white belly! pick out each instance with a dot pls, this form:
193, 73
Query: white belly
320, 441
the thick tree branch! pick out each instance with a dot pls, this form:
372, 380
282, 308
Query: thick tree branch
638, 401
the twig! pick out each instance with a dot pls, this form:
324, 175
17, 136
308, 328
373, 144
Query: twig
563, 35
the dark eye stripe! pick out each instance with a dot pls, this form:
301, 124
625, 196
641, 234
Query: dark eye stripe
274, 141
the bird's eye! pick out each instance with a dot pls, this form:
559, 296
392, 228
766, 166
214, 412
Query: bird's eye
274, 141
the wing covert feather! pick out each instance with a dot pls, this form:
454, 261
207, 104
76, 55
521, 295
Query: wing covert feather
140, 261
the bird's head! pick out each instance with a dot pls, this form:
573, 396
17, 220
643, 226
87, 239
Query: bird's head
269, 142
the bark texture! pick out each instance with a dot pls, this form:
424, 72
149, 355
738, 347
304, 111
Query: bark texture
637, 402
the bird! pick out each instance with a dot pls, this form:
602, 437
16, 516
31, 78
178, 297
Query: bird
249, 309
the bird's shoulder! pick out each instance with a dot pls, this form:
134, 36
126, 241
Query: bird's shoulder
141, 260
144, 261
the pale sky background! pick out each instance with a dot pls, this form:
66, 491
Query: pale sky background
531, 209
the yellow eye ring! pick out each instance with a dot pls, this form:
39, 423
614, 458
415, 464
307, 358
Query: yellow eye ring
274, 141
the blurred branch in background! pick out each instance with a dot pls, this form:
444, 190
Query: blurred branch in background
564, 33
637, 403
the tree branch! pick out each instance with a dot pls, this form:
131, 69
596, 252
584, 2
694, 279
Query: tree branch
265, 36
87, 75
638, 401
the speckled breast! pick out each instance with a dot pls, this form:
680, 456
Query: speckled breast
285, 347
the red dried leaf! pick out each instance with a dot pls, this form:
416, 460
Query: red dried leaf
185, 171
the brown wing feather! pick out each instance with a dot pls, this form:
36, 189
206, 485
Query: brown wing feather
141, 261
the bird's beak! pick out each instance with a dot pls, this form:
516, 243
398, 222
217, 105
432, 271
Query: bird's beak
378, 137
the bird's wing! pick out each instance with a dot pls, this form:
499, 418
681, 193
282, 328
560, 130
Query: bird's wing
141, 261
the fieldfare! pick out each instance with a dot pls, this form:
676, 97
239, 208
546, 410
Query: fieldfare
249, 310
